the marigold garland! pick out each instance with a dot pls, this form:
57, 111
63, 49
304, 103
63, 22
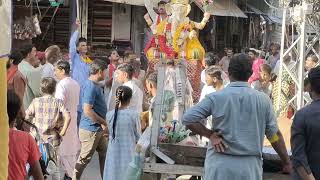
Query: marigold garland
177, 35
160, 27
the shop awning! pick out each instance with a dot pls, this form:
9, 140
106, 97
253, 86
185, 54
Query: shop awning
269, 18
223, 8
130, 2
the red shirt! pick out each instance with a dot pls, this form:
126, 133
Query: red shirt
22, 150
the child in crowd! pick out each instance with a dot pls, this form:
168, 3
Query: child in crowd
264, 84
138, 75
124, 76
209, 60
128, 56
139, 79
214, 81
52, 55
44, 113
114, 62
125, 130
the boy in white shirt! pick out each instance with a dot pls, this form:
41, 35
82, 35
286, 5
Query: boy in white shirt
124, 76
209, 60
214, 81
214, 78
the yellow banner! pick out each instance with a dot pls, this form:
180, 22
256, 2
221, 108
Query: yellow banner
4, 123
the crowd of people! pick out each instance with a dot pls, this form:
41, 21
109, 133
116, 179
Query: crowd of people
82, 106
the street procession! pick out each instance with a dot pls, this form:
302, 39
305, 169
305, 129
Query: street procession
160, 90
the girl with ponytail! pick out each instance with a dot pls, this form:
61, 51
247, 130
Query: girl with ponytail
124, 132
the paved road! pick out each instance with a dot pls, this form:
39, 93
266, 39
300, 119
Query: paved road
92, 172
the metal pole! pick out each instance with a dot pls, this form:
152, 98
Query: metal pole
300, 100
78, 9
84, 18
281, 59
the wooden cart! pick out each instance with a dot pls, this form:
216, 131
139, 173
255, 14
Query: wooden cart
178, 159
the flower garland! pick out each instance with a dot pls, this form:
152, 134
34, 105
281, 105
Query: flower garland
160, 27
176, 37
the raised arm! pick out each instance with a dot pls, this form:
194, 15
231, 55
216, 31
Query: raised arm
73, 41
149, 6
204, 21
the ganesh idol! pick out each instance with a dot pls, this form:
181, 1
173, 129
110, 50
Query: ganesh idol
175, 37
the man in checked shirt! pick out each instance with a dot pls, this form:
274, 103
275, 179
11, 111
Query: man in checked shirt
44, 113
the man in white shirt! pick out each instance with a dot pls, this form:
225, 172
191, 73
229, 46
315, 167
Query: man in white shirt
124, 76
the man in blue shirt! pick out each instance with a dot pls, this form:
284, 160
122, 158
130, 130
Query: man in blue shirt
93, 126
305, 133
241, 116
80, 62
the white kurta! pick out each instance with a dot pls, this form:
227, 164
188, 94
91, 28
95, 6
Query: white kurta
48, 71
137, 96
68, 90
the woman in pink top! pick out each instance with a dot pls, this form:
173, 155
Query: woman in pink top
256, 63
